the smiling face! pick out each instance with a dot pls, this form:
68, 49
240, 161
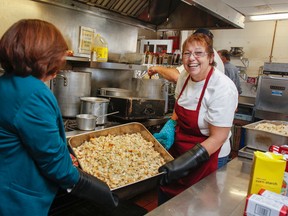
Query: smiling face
198, 56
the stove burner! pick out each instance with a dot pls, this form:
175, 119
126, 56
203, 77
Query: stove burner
153, 125
70, 124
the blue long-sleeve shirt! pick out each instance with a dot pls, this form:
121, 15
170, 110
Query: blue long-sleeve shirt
34, 158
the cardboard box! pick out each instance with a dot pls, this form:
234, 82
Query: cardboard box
271, 195
257, 205
267, 172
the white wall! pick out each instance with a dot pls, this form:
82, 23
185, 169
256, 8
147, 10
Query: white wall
256, 39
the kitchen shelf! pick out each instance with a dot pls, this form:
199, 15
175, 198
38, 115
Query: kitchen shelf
117, 66
104, 65
77, 58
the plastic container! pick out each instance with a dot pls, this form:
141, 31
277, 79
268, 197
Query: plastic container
100, 48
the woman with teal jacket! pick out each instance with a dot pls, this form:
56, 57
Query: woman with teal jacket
34, 158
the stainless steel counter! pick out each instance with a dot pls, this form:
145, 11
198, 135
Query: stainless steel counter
222, 193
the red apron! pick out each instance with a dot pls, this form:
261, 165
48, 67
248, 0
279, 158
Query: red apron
187, 135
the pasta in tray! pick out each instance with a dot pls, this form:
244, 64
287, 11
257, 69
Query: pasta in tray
281, 129
119, 159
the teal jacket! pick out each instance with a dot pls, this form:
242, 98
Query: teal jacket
34, 158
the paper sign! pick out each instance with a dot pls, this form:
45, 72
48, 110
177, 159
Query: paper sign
86, 37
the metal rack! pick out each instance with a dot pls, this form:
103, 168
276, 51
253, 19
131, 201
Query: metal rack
240, 62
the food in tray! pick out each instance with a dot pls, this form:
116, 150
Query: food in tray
281, 129
119, 159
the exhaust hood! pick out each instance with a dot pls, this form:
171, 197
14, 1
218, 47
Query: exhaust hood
160, 15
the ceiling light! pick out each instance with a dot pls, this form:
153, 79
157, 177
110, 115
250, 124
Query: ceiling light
279, 16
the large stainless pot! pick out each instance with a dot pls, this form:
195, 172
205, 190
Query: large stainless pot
152, 89
95, 106
68, 87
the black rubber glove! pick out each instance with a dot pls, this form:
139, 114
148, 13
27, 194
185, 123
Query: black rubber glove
94, 190
182, 165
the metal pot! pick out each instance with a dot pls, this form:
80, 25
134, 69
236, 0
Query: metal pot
68, 87
86, 121
95, 106
152, 89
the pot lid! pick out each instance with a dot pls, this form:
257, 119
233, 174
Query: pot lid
116, 89
95, 99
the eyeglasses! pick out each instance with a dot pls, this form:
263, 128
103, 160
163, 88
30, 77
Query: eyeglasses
197, 54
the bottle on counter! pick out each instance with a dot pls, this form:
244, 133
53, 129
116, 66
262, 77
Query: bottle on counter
165, 59
99, 50
147, 54
176, 57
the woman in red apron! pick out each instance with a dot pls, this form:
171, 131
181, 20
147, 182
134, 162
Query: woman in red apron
196, 154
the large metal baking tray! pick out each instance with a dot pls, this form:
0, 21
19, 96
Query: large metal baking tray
129, 190
246, 152
262, 140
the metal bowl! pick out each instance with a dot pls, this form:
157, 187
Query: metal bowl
86, 121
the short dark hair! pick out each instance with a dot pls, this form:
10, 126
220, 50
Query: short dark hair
225, 53
204, 31
32, 47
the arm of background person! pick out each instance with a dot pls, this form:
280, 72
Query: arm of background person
170, 74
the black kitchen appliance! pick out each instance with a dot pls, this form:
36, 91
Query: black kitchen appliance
136, 108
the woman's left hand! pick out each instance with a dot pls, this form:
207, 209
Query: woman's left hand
167, 134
